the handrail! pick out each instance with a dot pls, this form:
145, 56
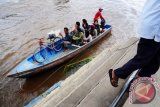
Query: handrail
124, 89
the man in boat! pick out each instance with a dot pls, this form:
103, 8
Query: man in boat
78, 35
67, 37
98, 15
147, 59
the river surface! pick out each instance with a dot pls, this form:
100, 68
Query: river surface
22, 21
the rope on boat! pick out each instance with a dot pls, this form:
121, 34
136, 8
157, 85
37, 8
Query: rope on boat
127, 46
120, 30
20, 85
45, 57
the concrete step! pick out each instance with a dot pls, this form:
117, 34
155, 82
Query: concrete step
103, 94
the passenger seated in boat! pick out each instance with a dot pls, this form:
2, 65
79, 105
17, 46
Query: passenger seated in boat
97, 26
87, 37
77, 27
102, 25
67, 38
78, 35
85, 24
93, 31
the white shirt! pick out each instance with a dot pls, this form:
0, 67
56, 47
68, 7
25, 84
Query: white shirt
88, 38
149, 25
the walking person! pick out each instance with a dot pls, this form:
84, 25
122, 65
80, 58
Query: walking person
147, 58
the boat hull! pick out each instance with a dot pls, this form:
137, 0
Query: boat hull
60, 60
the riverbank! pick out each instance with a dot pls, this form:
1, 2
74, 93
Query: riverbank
90, 86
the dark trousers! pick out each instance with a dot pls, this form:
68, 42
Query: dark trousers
147, 59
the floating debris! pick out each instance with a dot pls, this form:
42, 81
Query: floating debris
71, 68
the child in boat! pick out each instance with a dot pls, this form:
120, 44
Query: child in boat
85, 24
78, 35
87, 37
93, 31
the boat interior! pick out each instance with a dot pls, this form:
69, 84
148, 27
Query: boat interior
47, 55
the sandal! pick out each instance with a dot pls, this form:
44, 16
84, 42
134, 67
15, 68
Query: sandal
114, 83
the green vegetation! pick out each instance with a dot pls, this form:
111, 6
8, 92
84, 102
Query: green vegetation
71, 68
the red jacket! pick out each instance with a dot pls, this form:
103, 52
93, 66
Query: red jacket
97, 15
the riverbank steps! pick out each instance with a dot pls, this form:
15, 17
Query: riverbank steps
90, 85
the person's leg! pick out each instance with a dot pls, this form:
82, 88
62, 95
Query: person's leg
146, 51
152, 67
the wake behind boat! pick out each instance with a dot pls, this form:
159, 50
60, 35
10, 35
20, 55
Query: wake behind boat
51, 56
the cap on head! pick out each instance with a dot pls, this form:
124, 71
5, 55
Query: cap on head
100, 9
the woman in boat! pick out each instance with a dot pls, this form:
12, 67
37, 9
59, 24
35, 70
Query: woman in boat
93, 31
97, 26
85, 24
87, 37
79, 33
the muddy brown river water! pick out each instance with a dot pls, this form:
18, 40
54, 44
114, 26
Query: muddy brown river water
22, 21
